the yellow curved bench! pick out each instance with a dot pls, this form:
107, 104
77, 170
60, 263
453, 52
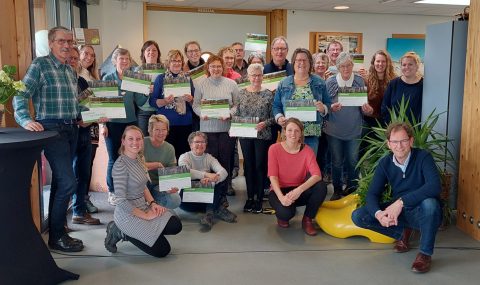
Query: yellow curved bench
335, 218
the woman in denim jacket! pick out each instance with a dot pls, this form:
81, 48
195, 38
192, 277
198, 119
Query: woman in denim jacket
303, 85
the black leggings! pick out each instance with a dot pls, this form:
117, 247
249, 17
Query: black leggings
311, 198
161, 247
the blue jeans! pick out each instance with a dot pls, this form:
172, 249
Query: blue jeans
113, 142
82, 163
312, 142
344, 154
426, 217
167, 200
59, 154
142, 119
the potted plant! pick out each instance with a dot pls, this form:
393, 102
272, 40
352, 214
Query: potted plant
8, 86
425, 137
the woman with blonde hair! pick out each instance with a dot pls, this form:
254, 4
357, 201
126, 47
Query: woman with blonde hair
295, 177
137, 217
408, 86
88, 63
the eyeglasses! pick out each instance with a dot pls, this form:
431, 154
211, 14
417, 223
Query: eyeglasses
399, 142
345, 66
215, 66
256, 75
175, 61
193, 51
199, 142
64, 41
279, 49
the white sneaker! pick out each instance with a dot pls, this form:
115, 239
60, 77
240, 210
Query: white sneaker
112, 199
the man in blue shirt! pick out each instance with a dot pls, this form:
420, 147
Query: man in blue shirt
279, 62
415, 182
52, 85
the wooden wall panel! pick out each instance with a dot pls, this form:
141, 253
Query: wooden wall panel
468, 205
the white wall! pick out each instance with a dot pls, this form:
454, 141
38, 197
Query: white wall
119, 24
173, 29
376, 28
124, 25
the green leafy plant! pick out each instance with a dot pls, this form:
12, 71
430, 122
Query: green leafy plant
425, 137
8, 86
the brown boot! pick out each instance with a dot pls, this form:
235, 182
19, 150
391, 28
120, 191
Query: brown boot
307, 225
422, 263
402, 244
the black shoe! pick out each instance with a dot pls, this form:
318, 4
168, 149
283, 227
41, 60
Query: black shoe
91, 209
257, 207
335, 196
114, 235
67, 244
207, 221
230, 190
225, 215
248, 206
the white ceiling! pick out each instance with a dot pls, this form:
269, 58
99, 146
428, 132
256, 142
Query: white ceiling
358, 6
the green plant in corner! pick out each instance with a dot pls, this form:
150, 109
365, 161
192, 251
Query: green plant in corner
425, 137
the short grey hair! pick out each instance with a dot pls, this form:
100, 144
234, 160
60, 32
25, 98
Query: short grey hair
197, 134
258, 55
342, 58
252, 67
53, 31
280, 38
120, 51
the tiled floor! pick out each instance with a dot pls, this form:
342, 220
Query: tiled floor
256, 251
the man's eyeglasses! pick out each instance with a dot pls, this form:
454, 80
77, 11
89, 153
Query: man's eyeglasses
63, 42
399, 142
279, 49
198, 142
193, 51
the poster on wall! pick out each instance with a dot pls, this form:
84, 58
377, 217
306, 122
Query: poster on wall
397, 47
352, 42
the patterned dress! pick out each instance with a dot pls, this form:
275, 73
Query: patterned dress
130, 178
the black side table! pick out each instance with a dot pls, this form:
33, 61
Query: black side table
24, 257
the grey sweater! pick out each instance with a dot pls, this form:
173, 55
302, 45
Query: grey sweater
215, 88
199, 165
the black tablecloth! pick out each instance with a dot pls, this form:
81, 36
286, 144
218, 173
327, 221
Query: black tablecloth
24, 257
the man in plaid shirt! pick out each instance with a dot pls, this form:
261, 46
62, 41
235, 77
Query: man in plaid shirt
52, 85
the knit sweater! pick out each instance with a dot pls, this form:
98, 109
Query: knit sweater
420, 181
215, 88
199, 165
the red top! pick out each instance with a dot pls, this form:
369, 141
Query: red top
291, 169
232, 74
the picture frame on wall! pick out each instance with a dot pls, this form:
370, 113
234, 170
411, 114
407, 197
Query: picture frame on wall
352, 42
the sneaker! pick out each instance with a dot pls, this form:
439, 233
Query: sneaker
248, 206
114, 235
112, 200
91, 209
257, 207
87, 219
207, 221
225, 215
327, 178
266, 192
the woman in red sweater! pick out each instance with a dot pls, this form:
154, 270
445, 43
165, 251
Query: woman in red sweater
295, 178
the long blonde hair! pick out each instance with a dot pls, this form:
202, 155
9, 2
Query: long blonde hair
92, 68
140, 155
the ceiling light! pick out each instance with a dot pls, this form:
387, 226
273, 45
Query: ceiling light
341, 7
445, 2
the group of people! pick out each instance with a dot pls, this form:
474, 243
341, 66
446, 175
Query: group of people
161, 130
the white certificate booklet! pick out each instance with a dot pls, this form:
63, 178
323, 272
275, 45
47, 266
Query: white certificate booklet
244, 130
271, 80
199, 193
256, 42
304, 110
153, 69
177, 89
99, 107
174, 177
215, 108
352, 96
136, 82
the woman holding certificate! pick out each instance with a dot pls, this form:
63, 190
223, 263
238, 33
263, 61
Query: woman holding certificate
137, 217
344, 125
149, 55
160, 154
172, 97
255, 102
295, 177
113, 129
306, 90
214, 102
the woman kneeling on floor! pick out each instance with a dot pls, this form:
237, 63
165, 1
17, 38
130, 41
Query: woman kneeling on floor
205, 168
295, 178
137, 217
